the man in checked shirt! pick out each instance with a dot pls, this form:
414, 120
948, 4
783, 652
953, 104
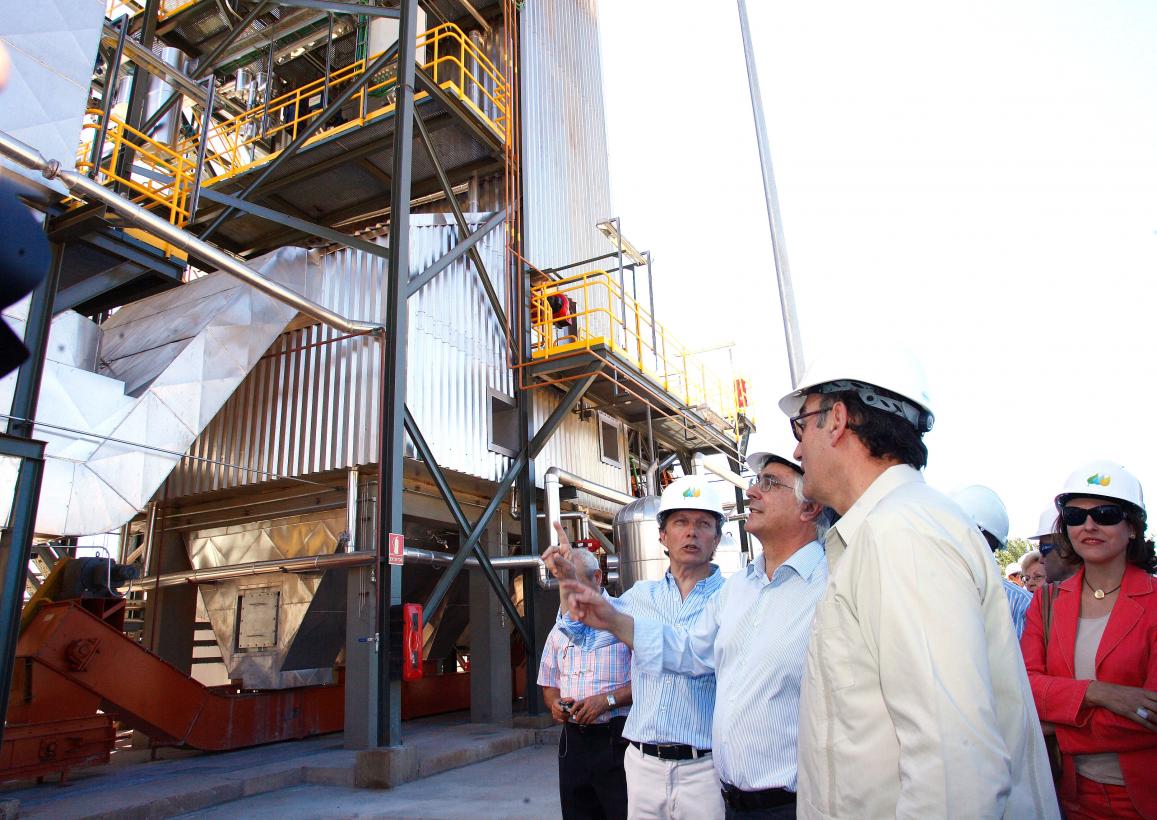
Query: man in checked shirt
589, 692
668, 765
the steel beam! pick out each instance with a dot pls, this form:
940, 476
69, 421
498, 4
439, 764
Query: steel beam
343, 8
392, 431
486, 136
311, 228
454, 254
464, 524
532, 448
321, 119
475, 257
16, 540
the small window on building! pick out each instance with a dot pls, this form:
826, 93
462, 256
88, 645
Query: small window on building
503, 424
610, 435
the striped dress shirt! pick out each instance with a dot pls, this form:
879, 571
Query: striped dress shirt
668, 708
1018, 601
580, 673
754, 636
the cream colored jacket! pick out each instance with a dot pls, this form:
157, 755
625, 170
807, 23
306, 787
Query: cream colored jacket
915, 700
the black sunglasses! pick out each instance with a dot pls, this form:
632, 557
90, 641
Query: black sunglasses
1106, 515
1045, 549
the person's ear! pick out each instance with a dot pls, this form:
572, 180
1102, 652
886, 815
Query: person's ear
809, 511
837, 424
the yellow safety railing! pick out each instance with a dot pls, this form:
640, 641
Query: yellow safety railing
598, 312
158, 178
170, 7
455, 63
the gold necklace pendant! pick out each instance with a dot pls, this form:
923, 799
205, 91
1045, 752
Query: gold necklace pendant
1098, 594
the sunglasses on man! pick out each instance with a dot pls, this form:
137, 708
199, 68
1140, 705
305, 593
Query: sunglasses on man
1106, 515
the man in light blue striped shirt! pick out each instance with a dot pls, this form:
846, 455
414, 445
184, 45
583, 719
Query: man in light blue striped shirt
754, 636
668, 765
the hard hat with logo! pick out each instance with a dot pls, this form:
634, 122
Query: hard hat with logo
1103, 479
691, 492
1044, 528
1012, 569
764, 447
985, 509
886, 378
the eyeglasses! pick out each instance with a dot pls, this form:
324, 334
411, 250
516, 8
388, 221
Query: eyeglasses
766, 482
797, 425
1106, 515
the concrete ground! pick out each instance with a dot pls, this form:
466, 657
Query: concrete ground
522, 784
449, 768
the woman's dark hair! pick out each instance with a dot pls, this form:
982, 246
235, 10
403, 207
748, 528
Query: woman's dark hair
1139, 553
885, 434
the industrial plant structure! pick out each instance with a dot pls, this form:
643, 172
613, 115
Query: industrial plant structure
338, 307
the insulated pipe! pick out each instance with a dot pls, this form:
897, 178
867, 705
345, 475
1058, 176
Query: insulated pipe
305, 564
699, 464
555, 476
84, 188
656, 468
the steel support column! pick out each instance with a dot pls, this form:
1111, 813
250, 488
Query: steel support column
334, 107
484, 563
16, 539
139, 90
391, 438
533, 448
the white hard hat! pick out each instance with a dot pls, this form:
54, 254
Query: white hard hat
1012, 569
866, 370
986, 510
1103, 479
691, 492
1048, 520
764, 447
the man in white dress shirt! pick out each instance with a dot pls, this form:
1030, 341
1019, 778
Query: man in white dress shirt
915, 699
753, 635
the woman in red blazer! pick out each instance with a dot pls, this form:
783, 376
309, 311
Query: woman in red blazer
1094, 674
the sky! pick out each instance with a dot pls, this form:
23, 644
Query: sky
977, 181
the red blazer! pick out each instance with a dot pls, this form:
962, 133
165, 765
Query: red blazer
1127, 655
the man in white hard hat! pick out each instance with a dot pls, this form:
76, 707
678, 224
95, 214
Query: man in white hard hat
753, 636
915, 699
1057, 569
989, 514
670, 773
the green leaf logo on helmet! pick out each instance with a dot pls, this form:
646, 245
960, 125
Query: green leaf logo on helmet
1099, 480
691, 492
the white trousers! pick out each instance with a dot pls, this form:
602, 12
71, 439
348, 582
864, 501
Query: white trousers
671, 789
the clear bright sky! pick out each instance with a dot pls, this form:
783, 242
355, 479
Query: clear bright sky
977, 179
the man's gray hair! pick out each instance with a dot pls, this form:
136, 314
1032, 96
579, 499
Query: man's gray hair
587, 560
824, 519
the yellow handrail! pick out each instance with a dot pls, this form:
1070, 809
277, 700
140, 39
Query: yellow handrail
598, 312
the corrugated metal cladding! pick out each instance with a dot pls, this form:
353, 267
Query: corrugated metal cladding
575, 448
566, 184
311, 404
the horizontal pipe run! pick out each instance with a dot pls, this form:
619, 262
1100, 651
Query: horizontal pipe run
84, 188
307, 563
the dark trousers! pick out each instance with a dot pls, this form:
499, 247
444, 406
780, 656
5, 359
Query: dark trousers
591, 781
773, 813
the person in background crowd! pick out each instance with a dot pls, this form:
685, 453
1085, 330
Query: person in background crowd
669, 766
1056, 567
988, 512
1092, 654
753, 637
588, 692
1032, 571
915, 701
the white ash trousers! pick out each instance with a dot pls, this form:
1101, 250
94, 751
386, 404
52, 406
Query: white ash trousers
671, 789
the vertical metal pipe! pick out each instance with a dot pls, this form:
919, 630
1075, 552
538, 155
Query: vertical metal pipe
351, 510
150, 537
622, 281
651, 301
771, 198
328, 59
391, 438
269, 88
139, 91
110, 83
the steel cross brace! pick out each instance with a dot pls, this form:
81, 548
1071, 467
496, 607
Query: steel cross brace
532, 449
463, 228
306, 133
447, 259
463, 524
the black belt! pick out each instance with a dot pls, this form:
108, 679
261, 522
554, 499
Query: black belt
740, 800
671, 751
594, 728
